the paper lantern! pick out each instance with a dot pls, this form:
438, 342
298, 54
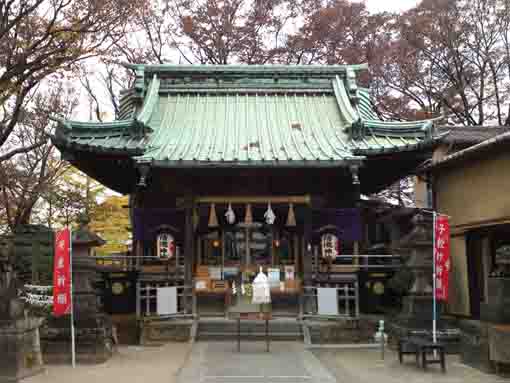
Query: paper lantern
330, 246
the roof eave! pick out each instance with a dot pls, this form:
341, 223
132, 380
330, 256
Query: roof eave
358, 161
65, 146
423, 145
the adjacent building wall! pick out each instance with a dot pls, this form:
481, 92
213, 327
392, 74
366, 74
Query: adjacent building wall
474, 193
458, 302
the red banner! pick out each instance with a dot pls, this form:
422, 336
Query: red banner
62, 273
442, 256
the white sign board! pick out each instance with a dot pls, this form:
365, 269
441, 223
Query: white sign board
166, 298
327, 301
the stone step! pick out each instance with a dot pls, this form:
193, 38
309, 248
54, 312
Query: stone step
218, 329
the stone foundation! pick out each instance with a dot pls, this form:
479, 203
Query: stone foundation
342, 331
20, 352
93, 337
474, 345
448, 332
160, 331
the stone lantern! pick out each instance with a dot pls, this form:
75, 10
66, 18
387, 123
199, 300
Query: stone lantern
93, 328
416, 250
19, 333
415, 318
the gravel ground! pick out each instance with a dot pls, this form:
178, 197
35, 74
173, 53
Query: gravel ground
130, 364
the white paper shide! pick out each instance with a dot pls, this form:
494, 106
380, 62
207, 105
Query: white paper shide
261, 289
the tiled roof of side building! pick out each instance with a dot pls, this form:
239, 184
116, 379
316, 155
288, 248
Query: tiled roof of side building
468, 153
469, 135
186, 115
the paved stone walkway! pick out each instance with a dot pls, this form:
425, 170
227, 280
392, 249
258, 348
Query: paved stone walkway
219, 362
366, 366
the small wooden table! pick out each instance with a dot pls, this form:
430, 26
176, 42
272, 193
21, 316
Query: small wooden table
265, 316
424, 347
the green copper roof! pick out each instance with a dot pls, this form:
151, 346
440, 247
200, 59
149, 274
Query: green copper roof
185, 115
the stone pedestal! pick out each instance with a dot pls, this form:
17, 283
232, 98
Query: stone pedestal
474, 344
497, 310
93, 338
20, 352
419, 307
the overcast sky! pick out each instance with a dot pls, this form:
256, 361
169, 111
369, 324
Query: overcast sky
372, 5
390, 5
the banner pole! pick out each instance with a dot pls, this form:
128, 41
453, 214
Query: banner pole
73, 345
434, 315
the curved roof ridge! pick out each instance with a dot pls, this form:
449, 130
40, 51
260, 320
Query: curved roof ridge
344, 103
150, 101
266, 70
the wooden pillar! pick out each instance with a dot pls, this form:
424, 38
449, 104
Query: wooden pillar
138, 254
307, 257
357, 199
188, 252
272, 251
294, 244
307, 251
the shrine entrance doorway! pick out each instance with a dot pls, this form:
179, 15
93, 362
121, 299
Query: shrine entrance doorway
231, 254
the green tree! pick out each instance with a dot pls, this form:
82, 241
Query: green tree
70, 196
110, 220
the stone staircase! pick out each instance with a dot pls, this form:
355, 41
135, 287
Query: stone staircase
221, 329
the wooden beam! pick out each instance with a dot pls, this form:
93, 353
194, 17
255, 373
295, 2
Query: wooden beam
302, 199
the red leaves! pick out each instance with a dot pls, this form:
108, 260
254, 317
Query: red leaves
187, 24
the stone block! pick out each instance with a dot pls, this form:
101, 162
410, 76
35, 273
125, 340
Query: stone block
93, 337
20, 349
156, 332
474, 345
342, 331
495, 313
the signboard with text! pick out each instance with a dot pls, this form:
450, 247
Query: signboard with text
442, 256
62, 273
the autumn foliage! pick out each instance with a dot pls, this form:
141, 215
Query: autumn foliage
442, 57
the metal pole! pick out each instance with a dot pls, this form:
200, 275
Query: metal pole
434, 335
73, 345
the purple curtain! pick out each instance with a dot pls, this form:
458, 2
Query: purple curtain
146, 222
347, 222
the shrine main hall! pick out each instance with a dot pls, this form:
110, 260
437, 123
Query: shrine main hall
235, 168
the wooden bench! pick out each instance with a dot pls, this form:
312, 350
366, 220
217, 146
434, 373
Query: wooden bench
423, 347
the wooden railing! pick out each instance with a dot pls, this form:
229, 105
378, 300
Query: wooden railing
347, 299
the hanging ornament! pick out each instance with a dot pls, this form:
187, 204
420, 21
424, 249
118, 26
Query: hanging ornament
230, 215
213, 220
248, 218
269, 215
291, 218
